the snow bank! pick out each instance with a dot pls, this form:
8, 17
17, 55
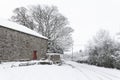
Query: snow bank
38, 72
68, 71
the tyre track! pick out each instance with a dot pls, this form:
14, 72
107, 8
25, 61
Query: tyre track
102, 72
99, 74
102, 75
110, 75
88, 76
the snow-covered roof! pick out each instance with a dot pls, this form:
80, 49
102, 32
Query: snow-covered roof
17, 27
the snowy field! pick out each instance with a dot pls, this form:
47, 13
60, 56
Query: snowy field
68, 71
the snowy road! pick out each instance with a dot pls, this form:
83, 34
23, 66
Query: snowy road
68, 71
95, 73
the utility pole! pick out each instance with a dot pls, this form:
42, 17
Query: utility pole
72, 52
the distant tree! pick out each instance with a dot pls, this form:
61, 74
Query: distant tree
116, 63
48, 22
102, 50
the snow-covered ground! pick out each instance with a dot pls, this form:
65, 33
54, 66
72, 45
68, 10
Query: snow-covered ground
68, 71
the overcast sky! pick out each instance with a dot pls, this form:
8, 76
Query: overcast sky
86, 17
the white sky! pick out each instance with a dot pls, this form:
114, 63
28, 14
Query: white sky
86, 17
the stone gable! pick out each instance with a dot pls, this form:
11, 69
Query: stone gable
15, 45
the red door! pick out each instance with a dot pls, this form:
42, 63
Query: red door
34, 55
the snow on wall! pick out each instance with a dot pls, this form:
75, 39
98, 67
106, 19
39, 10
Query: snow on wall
17, 27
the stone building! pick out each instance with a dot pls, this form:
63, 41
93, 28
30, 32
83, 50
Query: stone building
20, 43
54, 57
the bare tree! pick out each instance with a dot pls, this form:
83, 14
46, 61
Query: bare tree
48, 22
21, 17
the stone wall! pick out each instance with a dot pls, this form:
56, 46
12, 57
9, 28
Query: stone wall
15, 45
